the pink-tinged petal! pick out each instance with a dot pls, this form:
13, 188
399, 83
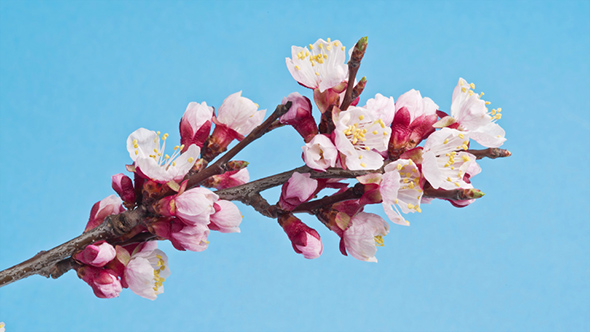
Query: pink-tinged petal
384, 108
313, 247
195, 124
416, 105
363, 236
195, 206
305, 240
411, 100
100, 210
473, 116
401, 188
421, 128
361, 137
299, 189
320, 67
141, 143
104, 282
490, 135
227, 219
446, 140
147, 149
325, 99
231, 179
193, 238
98, 254
299, 116
147, 270
320, 153
240, 114
123, 186
431, 171
394, 215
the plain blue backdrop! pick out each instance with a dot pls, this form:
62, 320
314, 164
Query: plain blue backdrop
76, 78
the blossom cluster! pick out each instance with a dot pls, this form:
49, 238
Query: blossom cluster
184, 216
401, 154
384, 135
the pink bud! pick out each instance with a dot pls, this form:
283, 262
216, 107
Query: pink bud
195, 124
193, 238
100, 210
229, 179
123, 186
227, 219
320, 153
305, 240
299, 189
98, 254
299, 116
195, 206
104, 282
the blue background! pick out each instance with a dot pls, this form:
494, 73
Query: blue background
76, 78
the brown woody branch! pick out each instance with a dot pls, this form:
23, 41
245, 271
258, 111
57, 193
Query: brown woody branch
44, 263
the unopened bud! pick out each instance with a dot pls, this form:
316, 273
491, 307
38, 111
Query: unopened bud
358, 88
473, 193
359, 50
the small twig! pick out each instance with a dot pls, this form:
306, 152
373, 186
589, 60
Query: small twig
217, 167
261, 205
455, 195
353, 66
491, 153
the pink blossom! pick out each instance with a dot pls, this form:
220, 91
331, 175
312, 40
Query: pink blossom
401, 188
239, 114
364, 235
100, 210
320, 153
415, 104
183, 237
299, 116
444, 160
152, 162
147, 270
195, 124
305, 240
320, 67
193, 237
195, 205
227, 217
299, 189
104, 282
472, 116
229, 179
384, 108
413, 121
123, 186
360, 136
97, 254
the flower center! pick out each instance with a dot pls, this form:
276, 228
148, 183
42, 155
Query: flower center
158, 155
159, 281
364, 135
494, 113
379, 241
319, 56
